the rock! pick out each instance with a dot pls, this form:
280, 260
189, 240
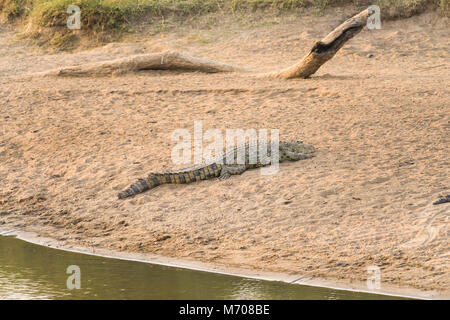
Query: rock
163, 238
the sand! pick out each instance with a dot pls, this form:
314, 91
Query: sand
380, 125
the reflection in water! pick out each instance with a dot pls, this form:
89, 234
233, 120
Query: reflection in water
248, 289
14, 287
29, 271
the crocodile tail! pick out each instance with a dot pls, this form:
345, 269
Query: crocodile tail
140, 186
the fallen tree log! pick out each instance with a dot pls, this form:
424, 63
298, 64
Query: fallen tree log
168, 60
321, 52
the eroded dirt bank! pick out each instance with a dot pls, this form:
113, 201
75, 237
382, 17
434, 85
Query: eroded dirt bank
381, 127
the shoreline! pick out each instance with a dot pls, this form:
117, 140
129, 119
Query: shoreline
35, 238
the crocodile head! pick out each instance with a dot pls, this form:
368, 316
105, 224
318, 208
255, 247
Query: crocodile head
292, 150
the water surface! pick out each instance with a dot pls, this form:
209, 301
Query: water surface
29, 271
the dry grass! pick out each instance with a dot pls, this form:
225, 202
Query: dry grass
106, 20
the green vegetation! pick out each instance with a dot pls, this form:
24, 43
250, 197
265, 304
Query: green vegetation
408, 8
11, 9
114, 13
116, 16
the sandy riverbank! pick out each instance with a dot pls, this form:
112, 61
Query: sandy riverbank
380, 125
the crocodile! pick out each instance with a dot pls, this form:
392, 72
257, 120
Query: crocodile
223, 169
442, 200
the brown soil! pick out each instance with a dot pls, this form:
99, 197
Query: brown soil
381, 127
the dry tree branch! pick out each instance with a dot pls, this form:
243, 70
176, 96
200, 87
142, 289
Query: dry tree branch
168, 60
321, 52
325, 49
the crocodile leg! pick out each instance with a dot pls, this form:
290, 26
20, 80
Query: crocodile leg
227, 171
298, 156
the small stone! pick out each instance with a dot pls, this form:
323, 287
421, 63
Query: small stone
370, 55
163, 238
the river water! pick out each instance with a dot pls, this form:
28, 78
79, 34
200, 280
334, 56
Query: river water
29, 271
